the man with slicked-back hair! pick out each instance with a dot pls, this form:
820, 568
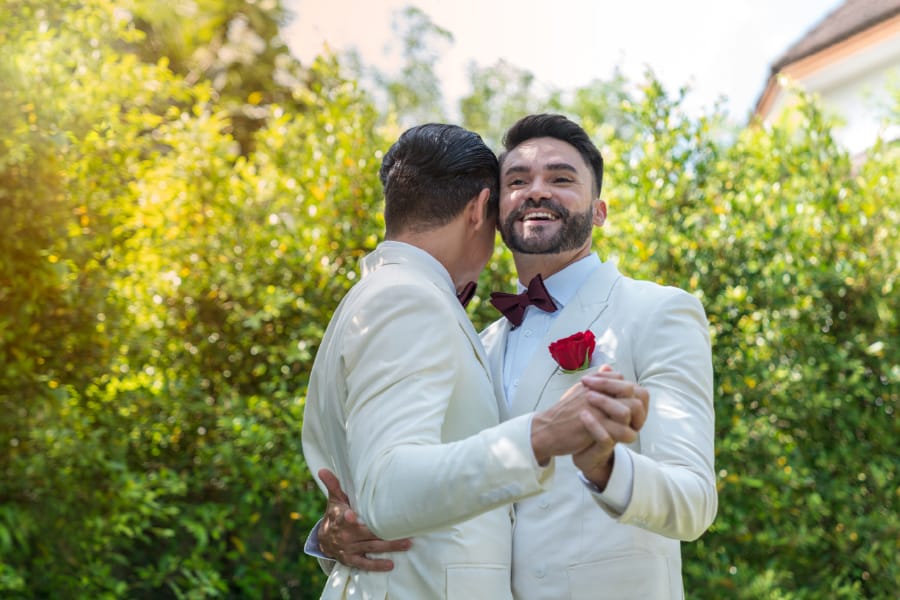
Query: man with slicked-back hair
401, 404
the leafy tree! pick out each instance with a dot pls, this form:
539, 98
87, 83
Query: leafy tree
162, 296
794, 256
501, 93
414, 94
165, 278
234, 45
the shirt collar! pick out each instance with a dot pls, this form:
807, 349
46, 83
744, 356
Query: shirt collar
563, 285
422, 255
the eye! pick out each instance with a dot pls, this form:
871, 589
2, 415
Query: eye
515, 182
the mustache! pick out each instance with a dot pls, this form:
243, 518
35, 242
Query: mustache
545, 204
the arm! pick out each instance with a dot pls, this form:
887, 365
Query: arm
400, 385
341, 535
402, 363
674, 491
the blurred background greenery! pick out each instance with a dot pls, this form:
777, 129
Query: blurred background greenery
182, 205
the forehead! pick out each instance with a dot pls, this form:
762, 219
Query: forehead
543, 153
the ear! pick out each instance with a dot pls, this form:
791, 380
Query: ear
599, 213
476, 210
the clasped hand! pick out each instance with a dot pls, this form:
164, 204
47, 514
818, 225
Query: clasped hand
589, 420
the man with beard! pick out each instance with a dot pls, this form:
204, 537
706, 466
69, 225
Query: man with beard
611, 523
401, 402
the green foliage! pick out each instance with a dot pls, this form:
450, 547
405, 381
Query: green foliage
414, 94
234, 45
501, 93
161, 298
794, 252
165, 278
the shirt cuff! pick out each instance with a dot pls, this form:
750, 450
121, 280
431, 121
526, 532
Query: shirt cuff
311, 547
617, 494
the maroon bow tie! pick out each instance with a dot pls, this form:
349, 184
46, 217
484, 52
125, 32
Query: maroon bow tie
467, 293
513, 305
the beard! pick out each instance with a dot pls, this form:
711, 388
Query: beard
574, 231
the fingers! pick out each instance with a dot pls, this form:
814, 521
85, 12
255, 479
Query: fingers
357, 556
613, 408
618, 407
606, 383
634, 397
596, 461
361, 561
605, 431
349, 541
641, 410
331, 483
345, 538
356, 553
597, 430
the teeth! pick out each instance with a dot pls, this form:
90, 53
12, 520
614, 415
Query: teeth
539, 215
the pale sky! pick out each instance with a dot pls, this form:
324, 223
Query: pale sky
717, 47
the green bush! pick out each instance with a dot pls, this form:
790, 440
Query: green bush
794, 252
163, 290
162, 297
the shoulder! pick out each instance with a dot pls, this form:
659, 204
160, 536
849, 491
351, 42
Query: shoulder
650, 294
399, 286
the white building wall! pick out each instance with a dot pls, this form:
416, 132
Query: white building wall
857, 89
862, 104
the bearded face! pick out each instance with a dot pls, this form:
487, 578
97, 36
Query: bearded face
546, 227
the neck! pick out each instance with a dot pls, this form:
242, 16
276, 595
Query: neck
545, 265
441, 243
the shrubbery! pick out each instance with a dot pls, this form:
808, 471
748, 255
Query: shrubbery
162, 293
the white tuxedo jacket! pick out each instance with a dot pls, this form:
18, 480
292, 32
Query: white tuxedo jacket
401, 407
566, 543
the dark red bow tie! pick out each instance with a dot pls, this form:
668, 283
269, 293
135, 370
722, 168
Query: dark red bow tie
466, 293
513, 305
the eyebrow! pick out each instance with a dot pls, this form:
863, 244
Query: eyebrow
516, 169
560, 166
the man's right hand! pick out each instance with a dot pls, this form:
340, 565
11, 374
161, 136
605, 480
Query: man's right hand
347, 540
618, 407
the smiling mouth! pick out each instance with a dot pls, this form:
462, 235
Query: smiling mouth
540, 216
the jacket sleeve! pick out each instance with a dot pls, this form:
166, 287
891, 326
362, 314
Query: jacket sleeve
674, 489
402, 367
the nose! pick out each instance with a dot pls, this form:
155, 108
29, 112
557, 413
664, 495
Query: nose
538, 189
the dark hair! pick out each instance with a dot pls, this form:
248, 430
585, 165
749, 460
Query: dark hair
431, 172
561, 128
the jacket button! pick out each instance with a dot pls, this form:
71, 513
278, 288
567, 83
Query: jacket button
539, 572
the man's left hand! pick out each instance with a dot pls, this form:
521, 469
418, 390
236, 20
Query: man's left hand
343, 537
596, 461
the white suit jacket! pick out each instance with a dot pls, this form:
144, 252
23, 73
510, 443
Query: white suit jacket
401, 407
567, 543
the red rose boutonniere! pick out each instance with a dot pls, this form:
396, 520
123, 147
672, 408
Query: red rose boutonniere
573, 353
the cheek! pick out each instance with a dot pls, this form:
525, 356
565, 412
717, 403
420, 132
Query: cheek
507, 204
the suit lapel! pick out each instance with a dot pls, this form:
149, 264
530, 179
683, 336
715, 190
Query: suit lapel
579, 314
494, 340
466, 324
